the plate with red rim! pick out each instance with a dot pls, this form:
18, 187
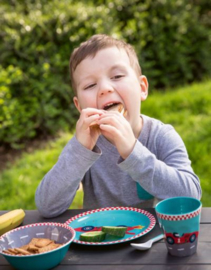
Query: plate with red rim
138, 222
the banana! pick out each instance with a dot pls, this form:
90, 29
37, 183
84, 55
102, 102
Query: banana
10, 220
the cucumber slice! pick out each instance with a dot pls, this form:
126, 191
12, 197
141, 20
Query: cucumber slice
93, 236
116, 231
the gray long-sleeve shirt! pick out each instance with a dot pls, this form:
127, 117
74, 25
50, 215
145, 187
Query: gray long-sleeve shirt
159, 163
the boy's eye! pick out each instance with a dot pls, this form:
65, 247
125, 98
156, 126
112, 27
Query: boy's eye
117, 76
89, 86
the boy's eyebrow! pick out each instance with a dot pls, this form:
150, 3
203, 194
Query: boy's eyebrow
117, 66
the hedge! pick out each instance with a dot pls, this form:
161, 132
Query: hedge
172, 39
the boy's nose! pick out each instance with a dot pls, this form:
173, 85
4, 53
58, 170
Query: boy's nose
105, 88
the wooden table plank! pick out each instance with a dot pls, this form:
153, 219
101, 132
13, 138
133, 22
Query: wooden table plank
33, 216
206, 215
125, 254
123, 267
133, 267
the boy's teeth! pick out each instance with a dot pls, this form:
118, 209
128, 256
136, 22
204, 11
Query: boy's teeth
110, 105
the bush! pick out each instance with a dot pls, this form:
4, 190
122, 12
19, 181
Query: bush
37, 37
174, 48
36, 40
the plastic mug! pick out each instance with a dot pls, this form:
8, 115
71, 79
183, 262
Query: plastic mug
143, 194
179, 217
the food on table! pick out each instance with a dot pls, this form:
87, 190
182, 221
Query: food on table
35, 246
89, 228
10, 220
115, 231
99, 236
93, 236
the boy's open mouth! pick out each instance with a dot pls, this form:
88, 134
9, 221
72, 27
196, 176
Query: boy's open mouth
117, 106
112, 106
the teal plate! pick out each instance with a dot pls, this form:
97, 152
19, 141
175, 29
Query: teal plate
138, 222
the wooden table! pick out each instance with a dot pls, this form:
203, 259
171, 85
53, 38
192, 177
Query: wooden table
123, 256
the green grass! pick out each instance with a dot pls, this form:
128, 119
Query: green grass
188, 109
19, 182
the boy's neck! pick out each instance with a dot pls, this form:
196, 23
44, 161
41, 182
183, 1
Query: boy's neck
139, 127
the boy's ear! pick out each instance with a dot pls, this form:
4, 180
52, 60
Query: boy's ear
144, 87
77, 105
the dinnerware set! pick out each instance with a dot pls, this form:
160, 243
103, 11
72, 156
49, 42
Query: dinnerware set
179, 219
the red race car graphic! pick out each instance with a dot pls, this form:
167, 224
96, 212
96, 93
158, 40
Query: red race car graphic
91, 228
175, 238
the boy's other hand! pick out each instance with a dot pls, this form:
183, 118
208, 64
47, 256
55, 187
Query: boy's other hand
118, 131
85, 133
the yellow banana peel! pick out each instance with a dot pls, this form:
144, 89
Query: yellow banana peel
11, 220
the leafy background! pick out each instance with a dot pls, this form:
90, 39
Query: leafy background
173, 42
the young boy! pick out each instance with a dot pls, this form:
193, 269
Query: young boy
121, 159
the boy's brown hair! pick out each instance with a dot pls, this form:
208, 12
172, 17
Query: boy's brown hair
95, 44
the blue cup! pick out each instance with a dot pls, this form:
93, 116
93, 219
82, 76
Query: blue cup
142, 193
179, 217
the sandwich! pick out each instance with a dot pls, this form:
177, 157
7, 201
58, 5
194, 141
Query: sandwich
118, 107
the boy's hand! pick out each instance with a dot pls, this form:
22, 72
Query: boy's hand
86, 134
118, 131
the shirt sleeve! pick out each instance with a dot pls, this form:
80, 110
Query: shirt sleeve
57, 190
165, 173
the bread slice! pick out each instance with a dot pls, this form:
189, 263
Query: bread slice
119, 108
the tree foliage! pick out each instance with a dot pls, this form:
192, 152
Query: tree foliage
172, 39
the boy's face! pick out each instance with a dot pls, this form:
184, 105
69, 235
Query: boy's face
109, 78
